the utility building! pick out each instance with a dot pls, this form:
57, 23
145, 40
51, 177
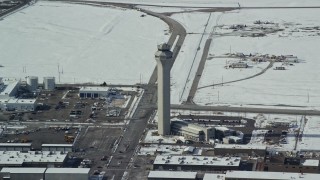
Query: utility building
164, 61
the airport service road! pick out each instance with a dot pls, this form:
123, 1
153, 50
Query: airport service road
246, 109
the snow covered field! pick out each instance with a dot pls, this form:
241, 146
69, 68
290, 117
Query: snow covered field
310, 135
198, 25
297, 86
91, 44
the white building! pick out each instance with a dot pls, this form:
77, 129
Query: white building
67, 174
49, 83
23, 173
194, 163
31, 158
8, 89
21, 105
93, 92
160, 175
263, 175
32, 82
210, 176
192, 131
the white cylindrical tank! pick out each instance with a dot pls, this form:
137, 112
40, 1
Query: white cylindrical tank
49, 83
32, 82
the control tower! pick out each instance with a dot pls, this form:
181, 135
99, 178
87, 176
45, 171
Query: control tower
164, 61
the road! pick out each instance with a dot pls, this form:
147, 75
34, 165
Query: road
246, 109
24, 2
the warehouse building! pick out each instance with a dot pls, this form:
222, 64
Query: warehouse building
21, 105
45, 173
57, 147
230, 149
67, 174
8, 89
171, 175
195, 163
262, 175
93, 92
22, 173
31, 158
292, 165
8, 100
15, 146
192, 131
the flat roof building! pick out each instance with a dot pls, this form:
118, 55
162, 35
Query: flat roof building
9, 89
93, 92
21, 105
224, 149
31, 158
23, 173
205, 163
171, 175
57, 147
192, 131
210, 176
15, 146
67, 174
262, 175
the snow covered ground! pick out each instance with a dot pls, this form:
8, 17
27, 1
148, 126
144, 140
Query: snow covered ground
102, 44
198, 25
298, 86
310, 135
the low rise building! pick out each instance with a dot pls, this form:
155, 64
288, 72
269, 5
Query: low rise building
57, 147
238, 65
21, 105
192, 131
262, 175
31, 158
15, 146
171, 175
211, 176
45, 173
229, 149
67, 174
93, 92
195, 163
22, 173
8, 89
293, 165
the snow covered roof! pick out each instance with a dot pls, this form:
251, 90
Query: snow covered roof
93, 89
26, 101
270, 175
15, 144
310, 162
24, 170
189, 149
57, 145
197, 160
18, 157
68, 170
237, 146
222, 128
209, 176
172, 174
9, 88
